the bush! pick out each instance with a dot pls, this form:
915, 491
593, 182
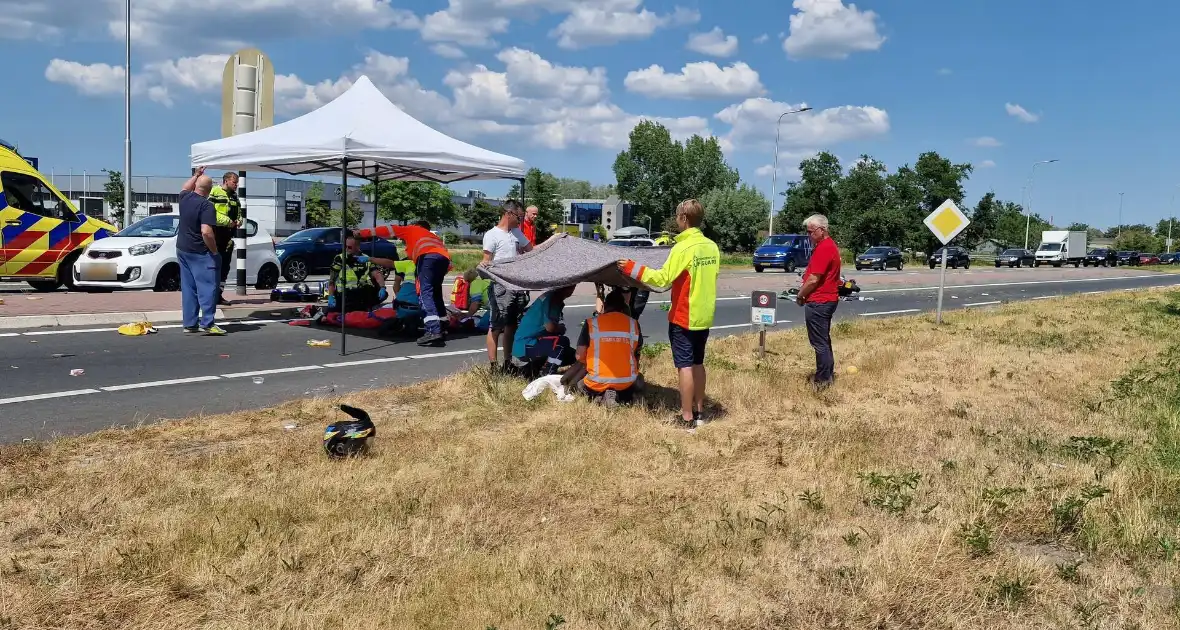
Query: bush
451, 238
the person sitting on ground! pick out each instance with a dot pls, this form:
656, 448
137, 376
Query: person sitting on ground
607, 365
468, 298
540, 345
361, 278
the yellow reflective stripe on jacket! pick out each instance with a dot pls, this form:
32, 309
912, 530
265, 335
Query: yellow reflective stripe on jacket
691, 269
221, 203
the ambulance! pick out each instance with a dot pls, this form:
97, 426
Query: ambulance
41, 232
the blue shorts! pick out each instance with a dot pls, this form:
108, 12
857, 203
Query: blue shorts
688, 346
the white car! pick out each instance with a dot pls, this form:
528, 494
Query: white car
143, 256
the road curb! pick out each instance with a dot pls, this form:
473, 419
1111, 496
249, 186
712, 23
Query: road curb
155, 317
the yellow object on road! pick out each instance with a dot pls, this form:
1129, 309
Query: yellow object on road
135, 329
852, 369
319, 343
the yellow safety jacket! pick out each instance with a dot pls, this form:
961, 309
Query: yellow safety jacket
691, 269
227, 205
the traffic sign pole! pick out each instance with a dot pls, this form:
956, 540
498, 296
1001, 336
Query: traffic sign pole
941, 284
946, 222
763, 313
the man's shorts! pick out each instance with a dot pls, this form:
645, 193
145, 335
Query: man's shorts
507, 307
688, 346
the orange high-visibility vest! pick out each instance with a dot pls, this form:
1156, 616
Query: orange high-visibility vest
419, 240
459, 296
610, 359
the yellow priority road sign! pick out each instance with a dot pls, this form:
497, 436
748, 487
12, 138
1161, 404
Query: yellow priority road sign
947, 221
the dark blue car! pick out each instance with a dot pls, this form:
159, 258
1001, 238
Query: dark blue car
311, 251
783, 251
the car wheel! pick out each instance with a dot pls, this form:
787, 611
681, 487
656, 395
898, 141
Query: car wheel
45, 286
858, 267
932, 265
967, 265
65, 271
1036, 263
790, 266
268, 277
900, 265
168, 278
757, 269
1075, 264
295, 269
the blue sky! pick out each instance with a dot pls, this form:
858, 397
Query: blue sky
559, 83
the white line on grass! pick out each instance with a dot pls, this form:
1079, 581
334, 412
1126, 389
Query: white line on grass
983, 303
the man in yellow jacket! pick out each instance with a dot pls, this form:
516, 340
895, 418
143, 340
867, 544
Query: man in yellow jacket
691, 270
229, 209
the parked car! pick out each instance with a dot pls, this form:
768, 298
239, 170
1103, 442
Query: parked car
143, 256
631, 242
311, 251
1169, 259
785, 251
880, 257
955, 257
1128, 258
1101, 257
1015, 258
1148, 259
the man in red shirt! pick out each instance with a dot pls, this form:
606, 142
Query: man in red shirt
819, 296
529, 225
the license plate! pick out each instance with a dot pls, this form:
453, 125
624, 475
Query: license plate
100, 272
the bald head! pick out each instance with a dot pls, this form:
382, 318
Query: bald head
204, 185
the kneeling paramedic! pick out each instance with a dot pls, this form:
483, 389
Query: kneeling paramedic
540, 345
360, 278
431, 260
608, 354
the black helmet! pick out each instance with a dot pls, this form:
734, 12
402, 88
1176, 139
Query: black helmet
351, 437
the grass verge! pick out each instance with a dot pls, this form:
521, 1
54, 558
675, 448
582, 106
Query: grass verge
1016, 468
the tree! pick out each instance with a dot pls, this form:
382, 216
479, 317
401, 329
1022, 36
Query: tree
704, 168
983, 222
482, 216
939, 180
602, 191
1010, 226
321, 214
733, 217
113, 196
1166, 227
656, 173
542, 190
1137, 227
573, 188
1139, 240
863, 216
407, 201
814, 193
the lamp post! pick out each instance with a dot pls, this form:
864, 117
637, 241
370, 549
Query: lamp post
1121, 213
1028, 210
127, 123
774, 174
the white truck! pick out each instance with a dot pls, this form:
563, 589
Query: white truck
1061, 247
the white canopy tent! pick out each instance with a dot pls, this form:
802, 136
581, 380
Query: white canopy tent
360, 134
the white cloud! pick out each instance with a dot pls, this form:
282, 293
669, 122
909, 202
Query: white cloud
762, 39
753, 121
830, 29
451, 26
714, 42
702, 79
610, 21
987, 164
985, 141
96, 79
1020, 113
788, 166
448, 51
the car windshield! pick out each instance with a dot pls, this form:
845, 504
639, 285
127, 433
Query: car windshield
303, 236
878, 250
778, 240
1050, 247
159, 226
1097, 252
1126, 253
1012, 252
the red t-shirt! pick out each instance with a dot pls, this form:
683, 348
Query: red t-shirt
529, 228
825, 261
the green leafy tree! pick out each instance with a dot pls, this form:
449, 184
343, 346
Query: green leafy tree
482, 216
704, 168
411, 201
113, 196
1010, 226
863, 216
983, 222
939, 179
649, 172
321, 214
1136, 227
1139, 240
733, 217
602, 191
542, 190
1166, 227
573, 188
814, 193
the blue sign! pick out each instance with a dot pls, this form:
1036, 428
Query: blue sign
33, 162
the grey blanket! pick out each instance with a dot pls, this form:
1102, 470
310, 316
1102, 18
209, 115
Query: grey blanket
564, 260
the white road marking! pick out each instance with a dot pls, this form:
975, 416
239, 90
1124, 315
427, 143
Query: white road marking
296, 368
982, 303
730, 326
366, 362
174, 381
1013, 284
1093, 292
72, 392
1045, 297
906, 310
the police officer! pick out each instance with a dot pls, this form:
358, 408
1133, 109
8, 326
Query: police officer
229, 211
363, 282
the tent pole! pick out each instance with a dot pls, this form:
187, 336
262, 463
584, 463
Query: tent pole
343, 280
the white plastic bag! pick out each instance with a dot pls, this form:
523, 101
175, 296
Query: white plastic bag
551, 382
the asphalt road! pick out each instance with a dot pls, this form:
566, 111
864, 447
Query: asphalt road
133, 380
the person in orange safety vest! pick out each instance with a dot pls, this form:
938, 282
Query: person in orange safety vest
608, 354
431, 262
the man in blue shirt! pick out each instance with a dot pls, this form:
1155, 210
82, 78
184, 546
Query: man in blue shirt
197, 254
540, 345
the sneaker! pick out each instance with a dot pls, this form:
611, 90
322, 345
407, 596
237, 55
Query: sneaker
223, 302
698, 419
431, 339
191, 329
214, 331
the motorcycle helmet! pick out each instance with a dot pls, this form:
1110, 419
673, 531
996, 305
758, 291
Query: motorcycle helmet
349, 438
847, 288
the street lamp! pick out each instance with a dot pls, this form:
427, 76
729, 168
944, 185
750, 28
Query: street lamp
1028, 210
127, 125
1121, 213
774, 174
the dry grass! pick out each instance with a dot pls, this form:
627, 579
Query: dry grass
479, 510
